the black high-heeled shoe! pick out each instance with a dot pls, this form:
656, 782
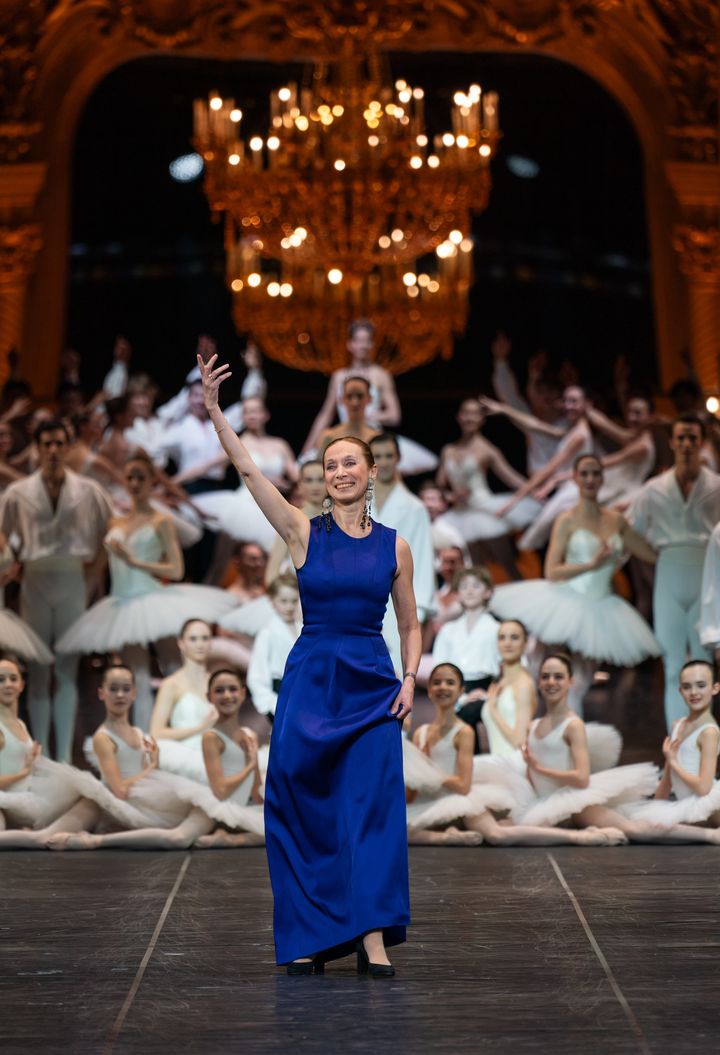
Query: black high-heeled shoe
314, 966
373, 970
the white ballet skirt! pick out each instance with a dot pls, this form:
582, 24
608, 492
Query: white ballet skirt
184, 757
237, 513
40, 798
160, 800
140, 609
478, 519
434, 806
687, 807
17, 636
709, 625
582, 613
249, 618
544, 802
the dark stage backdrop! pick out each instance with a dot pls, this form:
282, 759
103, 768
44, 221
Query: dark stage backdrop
561, 258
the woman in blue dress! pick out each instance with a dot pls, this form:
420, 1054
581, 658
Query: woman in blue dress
334, 795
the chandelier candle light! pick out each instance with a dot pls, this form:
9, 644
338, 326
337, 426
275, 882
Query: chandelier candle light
335, 209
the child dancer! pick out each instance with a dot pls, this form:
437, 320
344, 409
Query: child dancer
470, 642
511, 701
449, 791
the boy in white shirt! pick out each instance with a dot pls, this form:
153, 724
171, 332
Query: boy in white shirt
272, 645
470, 642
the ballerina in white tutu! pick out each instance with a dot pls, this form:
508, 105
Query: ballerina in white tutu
182, 712
512, 700
565, 790
34, 792
440, 764
575, 606
17, 636
143, 549
691, 754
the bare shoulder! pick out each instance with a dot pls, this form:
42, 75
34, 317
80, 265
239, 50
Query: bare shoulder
464, 736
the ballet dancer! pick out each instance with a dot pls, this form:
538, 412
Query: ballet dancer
451, 792
273, 644
677, 511
575, 605
59, 519
356, 400
339, 713
512, 699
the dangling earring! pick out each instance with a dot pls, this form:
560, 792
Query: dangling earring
368, 505
327, 508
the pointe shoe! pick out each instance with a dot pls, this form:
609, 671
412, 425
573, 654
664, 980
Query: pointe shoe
373, 970
305, 967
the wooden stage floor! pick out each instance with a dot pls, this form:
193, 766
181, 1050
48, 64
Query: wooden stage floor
565, 952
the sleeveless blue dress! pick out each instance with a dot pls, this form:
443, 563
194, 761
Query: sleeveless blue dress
335, 822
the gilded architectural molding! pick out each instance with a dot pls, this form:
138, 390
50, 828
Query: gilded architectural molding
699, 251
19, 245
21, 28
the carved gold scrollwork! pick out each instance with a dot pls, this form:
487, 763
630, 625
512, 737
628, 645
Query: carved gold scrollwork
21, 28
19, 245
699, 251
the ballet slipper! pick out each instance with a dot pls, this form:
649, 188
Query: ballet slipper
73, 841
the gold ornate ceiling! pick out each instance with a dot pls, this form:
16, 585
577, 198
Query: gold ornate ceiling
659, 58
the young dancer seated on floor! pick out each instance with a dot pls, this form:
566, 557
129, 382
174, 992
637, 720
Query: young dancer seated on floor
440, 766
512, 700
154, 810
691, 754
470, 642
561, 788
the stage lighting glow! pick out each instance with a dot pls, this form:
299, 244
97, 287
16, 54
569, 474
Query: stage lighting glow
186, 168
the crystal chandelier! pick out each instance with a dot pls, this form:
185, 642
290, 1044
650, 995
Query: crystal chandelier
348, 207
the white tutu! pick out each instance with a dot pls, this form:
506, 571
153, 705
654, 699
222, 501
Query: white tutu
118, 621
248, 618
41, 798
477, 524
601, 628
159, 800
437, 807
232, 814
238, 515
182, 760
19, 638
693, 809
414, 458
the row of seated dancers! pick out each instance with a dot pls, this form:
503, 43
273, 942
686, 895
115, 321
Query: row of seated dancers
110, 495
546, 780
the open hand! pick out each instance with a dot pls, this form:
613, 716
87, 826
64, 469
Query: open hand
212, 377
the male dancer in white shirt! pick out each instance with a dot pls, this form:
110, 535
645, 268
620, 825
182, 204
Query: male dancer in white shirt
396, 507
60, 520
677, 511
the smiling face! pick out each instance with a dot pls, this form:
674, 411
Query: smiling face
638, 414
554, 682
195, 641
697, 688
117, 691
11, 683
139, 480
227, 693
444, 687
588, 477
347, 472
512, 640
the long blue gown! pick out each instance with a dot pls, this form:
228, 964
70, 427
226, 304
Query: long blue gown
334, 795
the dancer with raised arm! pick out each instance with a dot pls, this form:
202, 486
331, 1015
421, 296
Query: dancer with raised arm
334, 794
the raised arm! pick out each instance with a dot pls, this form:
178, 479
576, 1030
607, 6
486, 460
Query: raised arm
503, 469
526, 422
289, 522
559, 459
608, 427
403, 598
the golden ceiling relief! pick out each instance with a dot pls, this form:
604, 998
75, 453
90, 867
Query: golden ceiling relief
21, 28
19, 246
699, 250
